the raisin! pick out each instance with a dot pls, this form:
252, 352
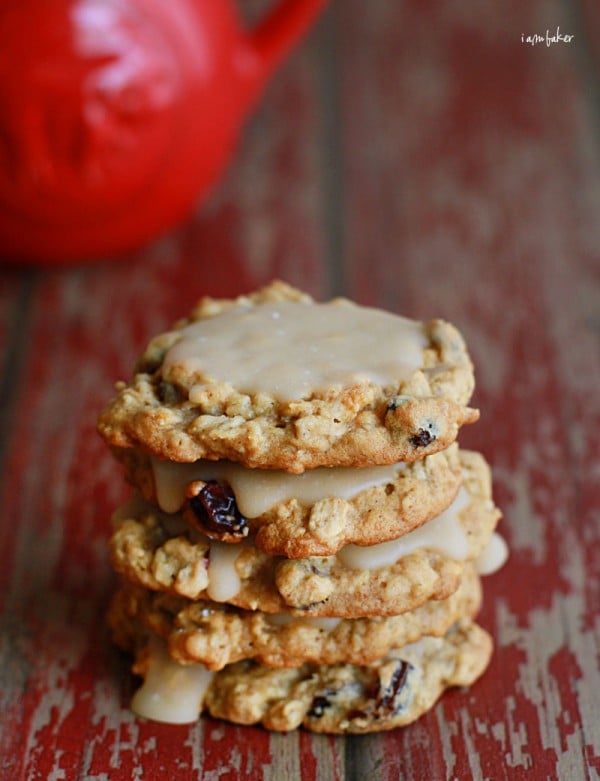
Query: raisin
387, 697
215, 508
318, 707
167, 393
422, 438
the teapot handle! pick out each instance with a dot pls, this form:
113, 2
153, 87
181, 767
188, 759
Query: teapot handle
280, 29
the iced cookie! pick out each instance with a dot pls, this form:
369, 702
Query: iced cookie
311, 514
217, 635
339, 698
165, 553
274, 380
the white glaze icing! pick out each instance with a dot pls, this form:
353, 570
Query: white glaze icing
257, 490
291, 349
223, 581
172, 693
493, 557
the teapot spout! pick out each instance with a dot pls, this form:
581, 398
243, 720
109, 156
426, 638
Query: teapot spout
272, 39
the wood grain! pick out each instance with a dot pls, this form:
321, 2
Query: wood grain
415, 156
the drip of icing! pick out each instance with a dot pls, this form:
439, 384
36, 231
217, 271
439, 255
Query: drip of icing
172, 693
223, 581
171, 480
257, 490
493, 557
291, 349
443, 533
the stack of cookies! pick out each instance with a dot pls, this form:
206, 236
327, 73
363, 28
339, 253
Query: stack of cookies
305, 541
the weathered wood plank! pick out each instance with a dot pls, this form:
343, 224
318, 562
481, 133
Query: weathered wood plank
478, 203
465, 182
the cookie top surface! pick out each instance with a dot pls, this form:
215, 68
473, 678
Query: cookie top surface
277, 381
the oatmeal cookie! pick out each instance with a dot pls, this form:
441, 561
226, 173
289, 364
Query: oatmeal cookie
217, 635
338, 698
307, 518
231, 382
165, 553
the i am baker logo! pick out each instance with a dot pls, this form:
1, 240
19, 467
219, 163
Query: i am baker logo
548, 38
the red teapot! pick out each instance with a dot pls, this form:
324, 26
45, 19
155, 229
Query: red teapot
116, 116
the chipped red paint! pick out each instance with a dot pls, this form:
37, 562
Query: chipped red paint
415, 156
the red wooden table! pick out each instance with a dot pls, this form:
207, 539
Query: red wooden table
417, 156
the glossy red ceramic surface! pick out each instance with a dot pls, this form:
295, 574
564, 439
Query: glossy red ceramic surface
118, 115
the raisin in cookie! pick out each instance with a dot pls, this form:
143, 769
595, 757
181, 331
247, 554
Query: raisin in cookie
274, 380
